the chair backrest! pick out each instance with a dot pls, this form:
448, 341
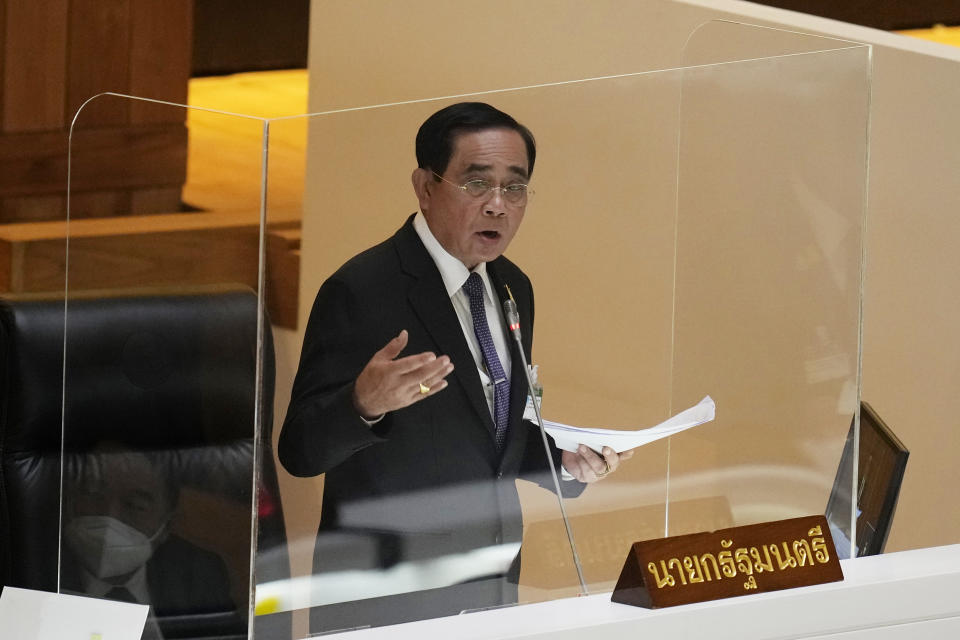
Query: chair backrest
158, 390
882, 463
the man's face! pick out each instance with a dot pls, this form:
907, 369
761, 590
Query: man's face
127, 487
475, 229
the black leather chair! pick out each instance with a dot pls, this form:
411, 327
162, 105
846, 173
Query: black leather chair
152, 386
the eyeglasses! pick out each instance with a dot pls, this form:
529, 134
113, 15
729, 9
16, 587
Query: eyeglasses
516, 193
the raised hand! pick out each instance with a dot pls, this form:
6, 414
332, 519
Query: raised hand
388, 383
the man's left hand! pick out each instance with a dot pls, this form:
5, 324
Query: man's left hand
586, 465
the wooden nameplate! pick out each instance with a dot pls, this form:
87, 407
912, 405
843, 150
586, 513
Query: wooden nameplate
730, 562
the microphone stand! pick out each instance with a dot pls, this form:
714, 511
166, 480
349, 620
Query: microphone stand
513, 322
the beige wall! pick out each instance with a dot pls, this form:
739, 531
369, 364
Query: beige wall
370, 52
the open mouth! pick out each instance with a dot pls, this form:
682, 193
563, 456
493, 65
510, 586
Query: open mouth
490, 235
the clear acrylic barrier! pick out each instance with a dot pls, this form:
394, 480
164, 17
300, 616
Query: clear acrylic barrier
694, 231
436, 539
162, 367
608, 244
770, 212
723, 41
770, 158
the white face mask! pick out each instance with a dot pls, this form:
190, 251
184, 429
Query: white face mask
107, 547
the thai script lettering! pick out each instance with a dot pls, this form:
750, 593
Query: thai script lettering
747, 564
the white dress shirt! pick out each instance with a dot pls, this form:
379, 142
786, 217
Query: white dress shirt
454, 274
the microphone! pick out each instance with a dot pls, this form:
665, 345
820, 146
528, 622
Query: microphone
512, 318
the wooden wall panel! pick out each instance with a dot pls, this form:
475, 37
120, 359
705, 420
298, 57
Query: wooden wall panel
235, 36
151, 250
115, 261
163, 199
157, 27
130, 156
141, 157
33, 163
98, 60
32, 208
283, 276
6, 266
3, 59
92, 204
878, 14
34, 65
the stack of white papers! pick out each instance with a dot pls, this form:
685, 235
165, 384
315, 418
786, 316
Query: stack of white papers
567, 437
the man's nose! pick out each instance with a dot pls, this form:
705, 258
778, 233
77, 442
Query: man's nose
495, 204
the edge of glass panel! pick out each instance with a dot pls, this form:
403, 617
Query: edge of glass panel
258, 375
840, 45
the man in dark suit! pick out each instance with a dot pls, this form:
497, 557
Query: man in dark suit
421, 451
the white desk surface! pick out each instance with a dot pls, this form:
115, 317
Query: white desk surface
911, 594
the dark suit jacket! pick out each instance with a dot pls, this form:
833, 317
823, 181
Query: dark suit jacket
427, 480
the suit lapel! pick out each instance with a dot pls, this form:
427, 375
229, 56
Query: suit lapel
437, 315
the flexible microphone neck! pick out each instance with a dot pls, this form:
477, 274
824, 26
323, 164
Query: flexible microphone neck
513, 323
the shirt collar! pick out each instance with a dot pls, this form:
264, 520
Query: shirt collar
453, 272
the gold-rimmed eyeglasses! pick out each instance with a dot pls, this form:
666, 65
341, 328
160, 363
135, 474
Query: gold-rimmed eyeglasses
514, 193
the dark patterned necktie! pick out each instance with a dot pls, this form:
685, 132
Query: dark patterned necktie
501, 385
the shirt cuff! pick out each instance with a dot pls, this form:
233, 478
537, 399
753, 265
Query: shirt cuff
370, 423
564, 474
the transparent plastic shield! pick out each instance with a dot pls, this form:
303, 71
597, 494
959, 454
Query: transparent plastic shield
693, 231
607, 242
284, 503
599, 251
767, 311
754, 226
161, 358
424, 519
723, 41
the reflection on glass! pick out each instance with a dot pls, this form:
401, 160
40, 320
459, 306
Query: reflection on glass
160, 367
120, 543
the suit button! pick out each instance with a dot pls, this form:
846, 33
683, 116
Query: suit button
499, 475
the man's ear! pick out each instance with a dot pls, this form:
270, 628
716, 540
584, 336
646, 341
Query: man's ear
422, 180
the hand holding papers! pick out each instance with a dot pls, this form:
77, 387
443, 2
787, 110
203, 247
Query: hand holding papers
567, 437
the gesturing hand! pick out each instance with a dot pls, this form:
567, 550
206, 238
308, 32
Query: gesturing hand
388, 383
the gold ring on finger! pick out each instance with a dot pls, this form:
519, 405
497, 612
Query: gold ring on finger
424, 389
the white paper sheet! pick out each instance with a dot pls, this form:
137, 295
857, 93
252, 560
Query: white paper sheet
39, 615
567, 437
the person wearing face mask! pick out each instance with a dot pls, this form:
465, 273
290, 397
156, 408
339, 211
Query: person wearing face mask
113, 554
118, 544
